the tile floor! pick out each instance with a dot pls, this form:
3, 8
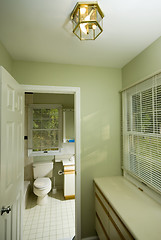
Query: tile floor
55, 221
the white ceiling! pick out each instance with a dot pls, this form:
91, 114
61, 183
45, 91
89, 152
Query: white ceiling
41, 30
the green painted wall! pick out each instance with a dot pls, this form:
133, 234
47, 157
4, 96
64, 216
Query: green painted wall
69, 124
146, 63
67, 100
100, 120
5, 59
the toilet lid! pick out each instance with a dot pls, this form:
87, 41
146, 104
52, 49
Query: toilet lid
42, 182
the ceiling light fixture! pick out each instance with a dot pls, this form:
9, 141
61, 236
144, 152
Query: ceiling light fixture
87, 19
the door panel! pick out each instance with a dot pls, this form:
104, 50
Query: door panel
19, 162
8, 175
11, 156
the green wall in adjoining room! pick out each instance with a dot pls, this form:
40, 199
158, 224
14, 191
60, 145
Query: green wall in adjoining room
145, 64
67, 100
100, 120
5, 59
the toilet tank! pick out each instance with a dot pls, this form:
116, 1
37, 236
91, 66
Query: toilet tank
42, 169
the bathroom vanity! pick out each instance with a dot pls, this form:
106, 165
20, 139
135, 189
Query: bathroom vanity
123, 212
69, 174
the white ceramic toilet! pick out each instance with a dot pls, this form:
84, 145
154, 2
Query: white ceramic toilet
42, 171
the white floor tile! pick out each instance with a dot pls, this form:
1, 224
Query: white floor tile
54, 221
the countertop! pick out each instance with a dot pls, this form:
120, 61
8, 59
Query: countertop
140, 213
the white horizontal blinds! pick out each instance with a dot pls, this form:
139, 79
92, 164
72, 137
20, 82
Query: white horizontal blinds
142, 131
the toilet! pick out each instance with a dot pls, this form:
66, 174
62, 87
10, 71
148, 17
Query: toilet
42, 172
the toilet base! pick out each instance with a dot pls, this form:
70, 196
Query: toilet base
42, 200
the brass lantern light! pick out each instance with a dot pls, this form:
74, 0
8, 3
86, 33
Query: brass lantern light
87, 19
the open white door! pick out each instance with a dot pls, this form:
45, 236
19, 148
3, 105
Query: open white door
11, 157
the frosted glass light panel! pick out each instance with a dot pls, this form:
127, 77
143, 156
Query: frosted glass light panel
45, 128
87, 20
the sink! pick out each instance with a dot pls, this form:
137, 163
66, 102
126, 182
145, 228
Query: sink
67, 162
70, 161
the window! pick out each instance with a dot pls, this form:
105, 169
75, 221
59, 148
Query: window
142, 132
45, 128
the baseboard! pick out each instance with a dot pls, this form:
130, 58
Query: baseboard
69, 197
91, 238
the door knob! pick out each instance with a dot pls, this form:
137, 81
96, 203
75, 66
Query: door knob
7, 210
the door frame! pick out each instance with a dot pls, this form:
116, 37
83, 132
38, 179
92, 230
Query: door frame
76, 92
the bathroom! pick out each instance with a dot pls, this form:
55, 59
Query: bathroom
53, 218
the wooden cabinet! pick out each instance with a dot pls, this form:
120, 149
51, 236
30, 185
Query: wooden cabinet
124, 212
69, 182
107, 222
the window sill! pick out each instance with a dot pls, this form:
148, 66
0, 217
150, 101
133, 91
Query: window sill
36, 154
147, 190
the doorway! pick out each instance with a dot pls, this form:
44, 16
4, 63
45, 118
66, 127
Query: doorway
76, 93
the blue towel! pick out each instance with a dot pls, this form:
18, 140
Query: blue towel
71, 140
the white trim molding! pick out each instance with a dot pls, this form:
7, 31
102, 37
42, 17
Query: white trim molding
50, 89
76, 92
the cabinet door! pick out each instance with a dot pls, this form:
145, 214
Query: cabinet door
102, 216
114, 235
69, 185
101, 233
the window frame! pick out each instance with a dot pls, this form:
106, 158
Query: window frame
143, 86
30, 129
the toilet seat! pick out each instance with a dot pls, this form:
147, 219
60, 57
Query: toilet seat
42, 183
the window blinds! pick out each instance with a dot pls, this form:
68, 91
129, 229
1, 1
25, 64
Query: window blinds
142, 131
